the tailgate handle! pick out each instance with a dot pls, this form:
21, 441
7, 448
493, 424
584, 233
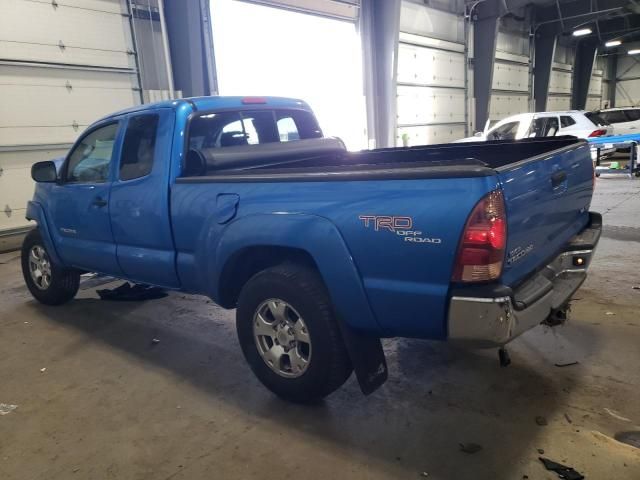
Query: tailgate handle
557, 178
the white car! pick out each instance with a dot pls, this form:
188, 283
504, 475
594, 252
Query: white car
548, 124
626, 119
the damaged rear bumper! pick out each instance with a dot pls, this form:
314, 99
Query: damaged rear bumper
498, 314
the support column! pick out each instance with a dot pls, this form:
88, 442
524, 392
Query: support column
582, 68
190, 61
379, 27
485, 33
545, 47
612, 74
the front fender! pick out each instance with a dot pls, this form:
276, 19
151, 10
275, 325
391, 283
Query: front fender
36, 213
319, 238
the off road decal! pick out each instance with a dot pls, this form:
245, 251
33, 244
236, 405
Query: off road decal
398, 225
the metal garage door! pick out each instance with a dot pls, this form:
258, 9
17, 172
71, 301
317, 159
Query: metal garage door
594, 97
344, 9
64, 64
560, 81
430, 76
510, 86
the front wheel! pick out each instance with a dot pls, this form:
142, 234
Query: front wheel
48, 283
289, 334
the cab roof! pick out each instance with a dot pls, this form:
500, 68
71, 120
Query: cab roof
215, 102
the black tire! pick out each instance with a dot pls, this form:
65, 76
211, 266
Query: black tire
64, 282
302, 288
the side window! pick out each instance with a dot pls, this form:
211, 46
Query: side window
633, 114
615, 116
508, 131
138, 149
537, 127
551, 128
566, 121
89, 161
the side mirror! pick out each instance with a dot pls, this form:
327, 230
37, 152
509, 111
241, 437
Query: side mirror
478, 134
44, 172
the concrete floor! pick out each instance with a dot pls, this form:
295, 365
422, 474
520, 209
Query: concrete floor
111, 405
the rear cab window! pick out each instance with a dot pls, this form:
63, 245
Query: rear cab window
222, 130
251, 127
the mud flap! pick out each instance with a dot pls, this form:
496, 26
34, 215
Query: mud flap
367, 358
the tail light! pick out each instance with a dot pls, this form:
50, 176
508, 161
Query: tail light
598, 133
481, 251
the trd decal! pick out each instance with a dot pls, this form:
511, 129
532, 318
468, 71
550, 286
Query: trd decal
401, 226
389, 223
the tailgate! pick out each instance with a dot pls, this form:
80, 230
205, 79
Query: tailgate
547, 200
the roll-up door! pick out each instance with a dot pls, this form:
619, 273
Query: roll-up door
559, 97
64, 64
510, 89
344, 9
430, 76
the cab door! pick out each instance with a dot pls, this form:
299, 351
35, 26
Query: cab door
79, 204
139, 201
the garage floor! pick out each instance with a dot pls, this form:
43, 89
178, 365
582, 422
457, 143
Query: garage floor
96, 399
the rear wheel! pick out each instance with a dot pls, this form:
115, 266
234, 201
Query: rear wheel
289, 334
48, 283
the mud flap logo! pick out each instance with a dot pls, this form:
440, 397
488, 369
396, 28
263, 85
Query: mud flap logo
399, 225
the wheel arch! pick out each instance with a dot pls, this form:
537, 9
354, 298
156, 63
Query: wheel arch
35, 212
246, 262
255, 242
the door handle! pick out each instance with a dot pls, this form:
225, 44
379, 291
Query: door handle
100, 202
557, 178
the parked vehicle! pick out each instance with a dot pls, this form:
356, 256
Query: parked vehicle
625, 120
547, 124
322, 251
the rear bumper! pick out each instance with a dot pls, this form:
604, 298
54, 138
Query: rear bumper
492, 316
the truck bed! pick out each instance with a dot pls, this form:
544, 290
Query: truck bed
323, 160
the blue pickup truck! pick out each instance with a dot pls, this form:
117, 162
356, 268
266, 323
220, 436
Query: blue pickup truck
322, 251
